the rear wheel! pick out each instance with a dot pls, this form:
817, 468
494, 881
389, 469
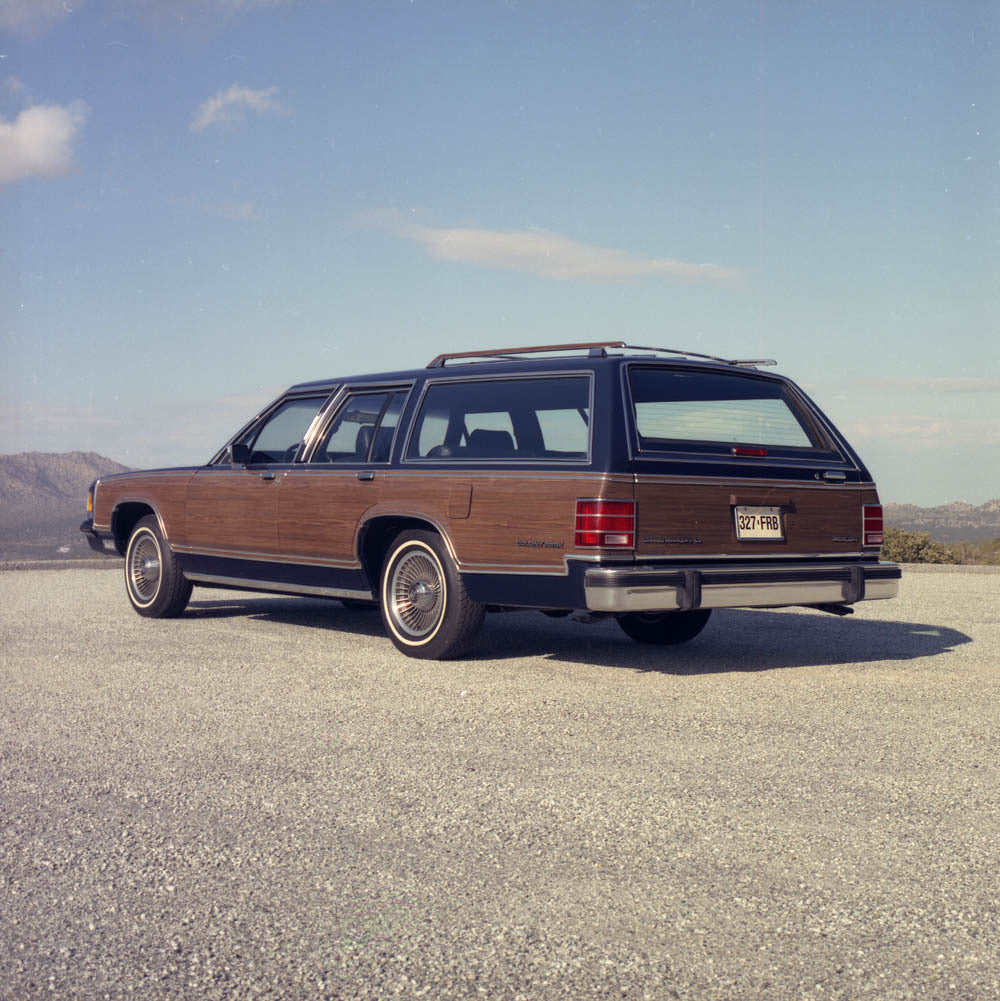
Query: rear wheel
425, 607
153, 580
667, 628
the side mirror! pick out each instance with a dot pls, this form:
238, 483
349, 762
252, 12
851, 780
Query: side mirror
238, 454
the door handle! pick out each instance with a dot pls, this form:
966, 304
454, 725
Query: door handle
366, 475
267, 476
834, 477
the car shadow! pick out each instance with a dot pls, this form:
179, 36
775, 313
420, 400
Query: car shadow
316, 613
735, 640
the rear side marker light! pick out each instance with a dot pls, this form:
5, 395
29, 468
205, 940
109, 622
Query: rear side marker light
872, 531
605, 523
755, 453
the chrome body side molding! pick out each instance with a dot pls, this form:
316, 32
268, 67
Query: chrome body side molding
252, 584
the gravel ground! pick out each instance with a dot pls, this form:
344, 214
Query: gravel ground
264, 799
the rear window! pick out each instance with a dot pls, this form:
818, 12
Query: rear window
708, 408
504, 419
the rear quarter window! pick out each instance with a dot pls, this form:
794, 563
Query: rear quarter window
504, 419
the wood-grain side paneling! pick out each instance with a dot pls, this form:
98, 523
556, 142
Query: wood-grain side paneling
232, 510
526, 522
676, 518
501, 521
164, 491
319, 512
514, 522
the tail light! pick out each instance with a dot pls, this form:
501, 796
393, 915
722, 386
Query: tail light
606, 523
871, 516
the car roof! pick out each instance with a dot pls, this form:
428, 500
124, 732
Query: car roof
513, 361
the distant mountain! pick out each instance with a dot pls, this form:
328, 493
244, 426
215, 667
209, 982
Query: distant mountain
43, 497
950, 522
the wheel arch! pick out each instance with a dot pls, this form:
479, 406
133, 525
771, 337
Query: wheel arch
126, 515
376, 535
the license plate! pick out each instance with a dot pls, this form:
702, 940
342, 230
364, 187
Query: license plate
759, 523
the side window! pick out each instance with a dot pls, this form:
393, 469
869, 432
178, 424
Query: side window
278, 438
564, 431
363, 429
490, 419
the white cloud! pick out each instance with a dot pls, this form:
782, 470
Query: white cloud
239, 6
34, 16
239, 211
195, 8
67, 418
910, 430
190, 432
13, 86
39, 141
30, 16
550, 255
939, 384
230, 106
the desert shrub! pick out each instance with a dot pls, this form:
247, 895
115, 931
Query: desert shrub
901, 546
981, 551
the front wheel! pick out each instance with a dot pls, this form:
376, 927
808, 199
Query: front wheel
153, 580
667, 628
425, 608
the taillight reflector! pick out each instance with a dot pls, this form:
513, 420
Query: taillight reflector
872, 524
606, 523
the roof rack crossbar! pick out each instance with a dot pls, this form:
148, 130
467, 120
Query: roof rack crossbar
440, 360
597, 349
675, 351
741, 362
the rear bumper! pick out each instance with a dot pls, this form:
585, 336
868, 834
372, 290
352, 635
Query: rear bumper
646, 588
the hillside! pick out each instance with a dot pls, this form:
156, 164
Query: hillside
950, 522
43, 498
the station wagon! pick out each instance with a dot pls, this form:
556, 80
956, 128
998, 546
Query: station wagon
595, 480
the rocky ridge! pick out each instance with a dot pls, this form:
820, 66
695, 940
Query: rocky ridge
953, 522
43, 499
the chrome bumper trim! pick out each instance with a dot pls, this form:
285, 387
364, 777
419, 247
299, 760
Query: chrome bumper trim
638, 589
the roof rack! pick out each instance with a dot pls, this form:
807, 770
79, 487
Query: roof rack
597, 349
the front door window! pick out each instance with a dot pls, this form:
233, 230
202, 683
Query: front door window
278, 438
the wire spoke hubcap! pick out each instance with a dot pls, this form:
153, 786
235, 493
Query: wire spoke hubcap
144, 568
417, 593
